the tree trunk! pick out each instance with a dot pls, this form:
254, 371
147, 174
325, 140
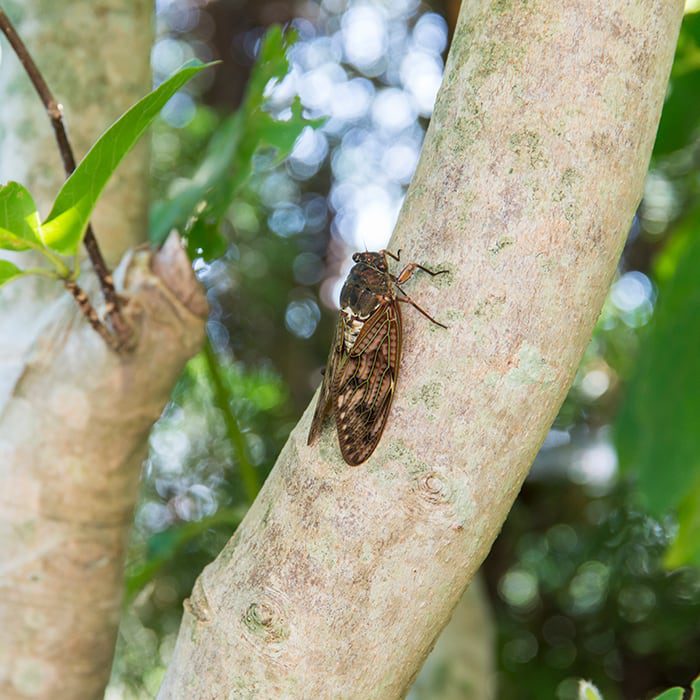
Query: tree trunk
74, 417
339, 579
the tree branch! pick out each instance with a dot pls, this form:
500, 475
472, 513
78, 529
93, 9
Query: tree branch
73, 437
55, 112
88, 310
74, 416
339, 579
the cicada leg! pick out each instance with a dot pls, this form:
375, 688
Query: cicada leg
396, 257
408, 300
410, 269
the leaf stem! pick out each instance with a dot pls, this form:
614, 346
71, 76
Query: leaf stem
62, 270
249, 476
41, 272
55, 112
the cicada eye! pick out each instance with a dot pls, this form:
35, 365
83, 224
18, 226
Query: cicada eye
356, 257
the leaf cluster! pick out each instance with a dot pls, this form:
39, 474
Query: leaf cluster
587, 691
60, 234
251, 135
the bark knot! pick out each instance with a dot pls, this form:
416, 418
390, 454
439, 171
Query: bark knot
265, 620
434, 489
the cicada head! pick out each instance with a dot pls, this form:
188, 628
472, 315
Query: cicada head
375, 260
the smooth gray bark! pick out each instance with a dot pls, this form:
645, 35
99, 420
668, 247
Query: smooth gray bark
339, 579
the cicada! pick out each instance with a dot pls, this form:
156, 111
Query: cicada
363, 364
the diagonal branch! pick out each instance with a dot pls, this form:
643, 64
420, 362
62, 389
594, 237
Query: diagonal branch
55, 112
340, 578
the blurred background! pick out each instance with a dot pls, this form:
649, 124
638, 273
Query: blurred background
304, 143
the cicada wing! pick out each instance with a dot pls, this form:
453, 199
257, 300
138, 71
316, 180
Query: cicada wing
324, 406
364, 384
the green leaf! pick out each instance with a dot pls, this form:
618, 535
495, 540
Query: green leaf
205, 186
230, 158
677, 693
267, 132
19, 218
685, 549
680, 121
671, 694
204, 239
8, 271
657, 428
65, 226
587, 691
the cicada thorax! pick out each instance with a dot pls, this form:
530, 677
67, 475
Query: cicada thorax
365, 291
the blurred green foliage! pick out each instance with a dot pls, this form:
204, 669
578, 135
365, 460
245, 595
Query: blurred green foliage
657, 432
658, 435
587, 596
198, 420
679, 121
587, 691
163, 548
197, 205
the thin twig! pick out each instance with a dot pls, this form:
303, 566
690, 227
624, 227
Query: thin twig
251, 483
55, 112
89, 312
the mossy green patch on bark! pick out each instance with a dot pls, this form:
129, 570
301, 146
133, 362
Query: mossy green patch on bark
453, 316
399, 451
469, 129
527, 144
531, 368
429, 395
444, 280
500, 244
502, 6
489, 307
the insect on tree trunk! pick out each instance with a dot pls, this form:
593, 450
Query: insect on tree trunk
339, 579
363, 364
